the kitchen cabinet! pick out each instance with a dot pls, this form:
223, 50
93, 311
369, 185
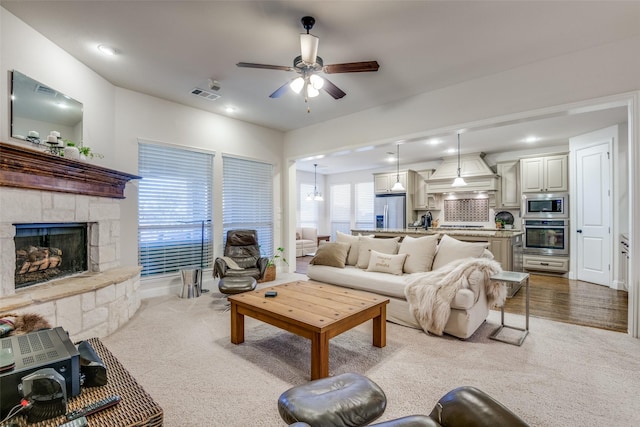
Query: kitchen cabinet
423, 200
509, 194
548, 174
552, 264
382, 182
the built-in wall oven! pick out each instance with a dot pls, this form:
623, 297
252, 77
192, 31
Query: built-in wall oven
546, 236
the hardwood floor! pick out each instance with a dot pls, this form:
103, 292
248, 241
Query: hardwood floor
572, 301
562, 300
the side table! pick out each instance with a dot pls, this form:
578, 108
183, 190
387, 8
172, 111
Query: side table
323, 237
517, 279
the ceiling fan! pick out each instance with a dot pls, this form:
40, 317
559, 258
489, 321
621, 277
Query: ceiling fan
308, 65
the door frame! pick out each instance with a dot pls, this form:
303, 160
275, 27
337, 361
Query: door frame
610, 136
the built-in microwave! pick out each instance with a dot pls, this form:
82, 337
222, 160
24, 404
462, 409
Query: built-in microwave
545, 205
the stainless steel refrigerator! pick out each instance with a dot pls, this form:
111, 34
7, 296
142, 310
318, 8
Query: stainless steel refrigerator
390, 211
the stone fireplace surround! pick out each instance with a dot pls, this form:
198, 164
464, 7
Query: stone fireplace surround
90, 304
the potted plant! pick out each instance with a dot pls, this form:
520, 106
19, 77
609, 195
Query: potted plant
87, 153
277, 256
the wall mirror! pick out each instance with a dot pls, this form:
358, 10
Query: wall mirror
37, 109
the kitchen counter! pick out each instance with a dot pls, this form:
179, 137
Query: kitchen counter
416, 232
500, 242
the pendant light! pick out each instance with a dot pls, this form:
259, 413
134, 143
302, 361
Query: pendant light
459, 181
316, 195
398, 185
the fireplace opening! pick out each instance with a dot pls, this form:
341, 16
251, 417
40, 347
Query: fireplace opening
49, 251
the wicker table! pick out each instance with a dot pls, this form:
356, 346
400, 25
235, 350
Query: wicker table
136, 409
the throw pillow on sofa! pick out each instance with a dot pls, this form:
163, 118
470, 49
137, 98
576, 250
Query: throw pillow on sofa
352, 258
368, 244
332, 254
451, 249
420, 253
386, 263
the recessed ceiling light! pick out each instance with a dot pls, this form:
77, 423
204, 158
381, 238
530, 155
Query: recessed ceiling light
530, 139
107, 50
434, 141
230, 109
451, 150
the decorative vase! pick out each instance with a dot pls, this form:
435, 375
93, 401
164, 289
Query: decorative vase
71, 153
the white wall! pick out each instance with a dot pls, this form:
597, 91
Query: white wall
27, 51
153, 119
115, 118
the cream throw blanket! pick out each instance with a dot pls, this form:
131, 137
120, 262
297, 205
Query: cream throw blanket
430, 294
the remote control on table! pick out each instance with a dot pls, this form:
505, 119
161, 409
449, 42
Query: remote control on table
78, 422
93, 407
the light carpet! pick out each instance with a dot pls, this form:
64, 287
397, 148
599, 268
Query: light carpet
562, 375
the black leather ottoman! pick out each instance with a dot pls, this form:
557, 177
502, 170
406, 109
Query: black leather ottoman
346, 400
236, 285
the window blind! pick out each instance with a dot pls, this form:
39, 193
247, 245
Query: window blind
340, 210
364, 200
174, 209
247, 199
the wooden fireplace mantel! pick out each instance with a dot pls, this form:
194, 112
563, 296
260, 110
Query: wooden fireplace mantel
21, 167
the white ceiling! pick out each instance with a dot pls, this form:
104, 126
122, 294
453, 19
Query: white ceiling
167, 48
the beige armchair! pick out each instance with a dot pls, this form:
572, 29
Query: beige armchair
306, 241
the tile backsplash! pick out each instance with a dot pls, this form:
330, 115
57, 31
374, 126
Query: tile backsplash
466, 210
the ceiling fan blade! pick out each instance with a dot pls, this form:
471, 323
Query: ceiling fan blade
265, 66
309, 48
352, 67
280, 91
333, 90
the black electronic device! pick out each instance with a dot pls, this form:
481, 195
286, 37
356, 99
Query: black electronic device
270, 294
46, 393
91, 366
48, 348
94, 407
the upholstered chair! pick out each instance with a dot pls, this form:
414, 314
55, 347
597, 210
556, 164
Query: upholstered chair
241, 256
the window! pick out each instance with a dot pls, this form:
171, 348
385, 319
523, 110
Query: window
247, 199
340, 209
308, 208
364, 205
174, 209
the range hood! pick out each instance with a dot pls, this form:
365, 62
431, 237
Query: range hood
475, 171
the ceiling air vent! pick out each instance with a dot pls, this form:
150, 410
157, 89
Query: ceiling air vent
45, 90
206, 94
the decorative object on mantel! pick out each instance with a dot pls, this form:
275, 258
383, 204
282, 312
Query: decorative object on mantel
86, 153
33, 137
71, 151
56, 146
22, 167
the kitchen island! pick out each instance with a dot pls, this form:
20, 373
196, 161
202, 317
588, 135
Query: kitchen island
505, 245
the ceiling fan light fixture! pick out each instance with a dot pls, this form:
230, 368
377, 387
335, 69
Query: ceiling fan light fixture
312, 92
316, 81
309, 48
297, 85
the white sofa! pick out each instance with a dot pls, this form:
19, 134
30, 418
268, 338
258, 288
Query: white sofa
306, 241
469, 306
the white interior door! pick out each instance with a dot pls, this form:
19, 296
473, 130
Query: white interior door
593, 212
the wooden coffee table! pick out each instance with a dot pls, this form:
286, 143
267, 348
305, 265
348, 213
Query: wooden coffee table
312, 310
